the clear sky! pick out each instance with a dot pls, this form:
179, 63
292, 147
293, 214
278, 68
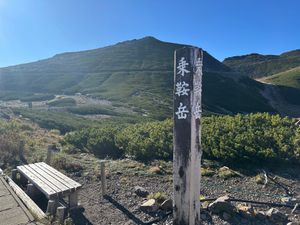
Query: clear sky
35, 29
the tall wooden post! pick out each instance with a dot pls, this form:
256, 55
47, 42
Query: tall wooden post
21, 151
49, 154
187, 151
103, 177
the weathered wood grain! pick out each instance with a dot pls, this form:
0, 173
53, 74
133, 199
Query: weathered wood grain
67, 180
36, 211
38, 181
53, 175
48, 180
49, 154
13, 216
103, 178
187, 151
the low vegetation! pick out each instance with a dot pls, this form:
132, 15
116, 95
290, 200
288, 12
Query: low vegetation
67, 121
99, 141
35, 139
62, 121
25, 96
9, 146
254, 138
63, 102
62, 162
147, 141
226, 173
93, 110
158, 196
242, 139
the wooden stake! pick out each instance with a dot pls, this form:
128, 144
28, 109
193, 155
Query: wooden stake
187, 151
21, 151
49, 154
103, 177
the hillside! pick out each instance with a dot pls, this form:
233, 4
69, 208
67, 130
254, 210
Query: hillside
136, 73
289, 78
257, 65
284, 90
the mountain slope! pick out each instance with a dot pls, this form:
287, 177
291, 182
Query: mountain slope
288, 87
289, 78
256, 65
135, 73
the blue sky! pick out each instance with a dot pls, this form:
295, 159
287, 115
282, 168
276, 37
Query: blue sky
35, 29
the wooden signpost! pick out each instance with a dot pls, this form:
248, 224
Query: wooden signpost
187, 151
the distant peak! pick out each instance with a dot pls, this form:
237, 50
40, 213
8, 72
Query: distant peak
291, 53
243, 56
150, 38
144, 39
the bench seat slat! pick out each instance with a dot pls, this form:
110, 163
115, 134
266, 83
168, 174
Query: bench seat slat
68, 180
37, 181
53, 183
54, 176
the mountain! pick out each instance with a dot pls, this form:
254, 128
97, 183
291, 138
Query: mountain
136, 73
256, 65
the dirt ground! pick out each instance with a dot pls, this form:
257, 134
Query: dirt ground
121, 206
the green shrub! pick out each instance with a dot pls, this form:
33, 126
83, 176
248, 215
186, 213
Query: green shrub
147, 141
62, 162
255, 138
206, 172
93, 110
101, 142
259, 179
226, 173
78, 139
160, 197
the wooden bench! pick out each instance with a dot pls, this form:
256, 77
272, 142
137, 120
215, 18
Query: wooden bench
52, 183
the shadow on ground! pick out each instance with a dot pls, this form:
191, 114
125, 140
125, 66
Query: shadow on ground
131, 216
78, 217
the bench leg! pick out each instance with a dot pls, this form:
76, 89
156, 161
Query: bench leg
23, 179
51, 207
73, 199
14, 173
32, 191
60, 214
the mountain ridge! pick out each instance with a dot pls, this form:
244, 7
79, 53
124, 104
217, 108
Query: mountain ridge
136, 73
258, 65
